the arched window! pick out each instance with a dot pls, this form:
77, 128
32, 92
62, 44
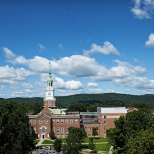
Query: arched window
43, 130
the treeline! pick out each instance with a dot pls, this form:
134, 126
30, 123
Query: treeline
92, 98
133, 134
87, 102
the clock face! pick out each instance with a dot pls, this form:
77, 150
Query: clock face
49, 93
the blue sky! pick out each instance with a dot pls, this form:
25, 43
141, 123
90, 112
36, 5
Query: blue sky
94, 46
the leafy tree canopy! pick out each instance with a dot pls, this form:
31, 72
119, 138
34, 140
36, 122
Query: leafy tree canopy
16, 135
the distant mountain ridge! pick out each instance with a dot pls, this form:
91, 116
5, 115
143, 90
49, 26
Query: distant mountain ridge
91, 98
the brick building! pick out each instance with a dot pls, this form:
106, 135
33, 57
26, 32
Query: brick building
59, 120
52, 118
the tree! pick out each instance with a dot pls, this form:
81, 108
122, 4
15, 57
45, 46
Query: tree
127, 130
91, 144
138, 120
142, 143
94, 133
117, 135
57, 145
74, 140
52, 134
15, 132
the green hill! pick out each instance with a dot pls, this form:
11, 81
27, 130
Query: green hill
92, 98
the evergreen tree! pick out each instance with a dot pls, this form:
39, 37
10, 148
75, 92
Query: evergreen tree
57, 145
52, 134
74, 140
94, 133
91, 144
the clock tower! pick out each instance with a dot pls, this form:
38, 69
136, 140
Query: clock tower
49, 99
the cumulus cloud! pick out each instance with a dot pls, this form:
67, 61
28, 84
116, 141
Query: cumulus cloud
106, 49
8, 53
143, 9
18, 94
150, 42
76, 66
59, 83
121, 70
92, 84
100, 90
136, 82
10, 75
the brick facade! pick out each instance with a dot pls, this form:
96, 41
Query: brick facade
59, 120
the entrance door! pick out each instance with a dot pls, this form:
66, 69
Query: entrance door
42, 136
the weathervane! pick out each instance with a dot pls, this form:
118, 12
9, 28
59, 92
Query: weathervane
49, 67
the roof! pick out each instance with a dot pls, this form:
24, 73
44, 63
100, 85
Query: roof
111, 110
88, 113
58, 111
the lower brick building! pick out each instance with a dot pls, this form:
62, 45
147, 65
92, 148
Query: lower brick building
59, 120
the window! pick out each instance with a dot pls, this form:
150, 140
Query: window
76, 121
49, 103
71, 121
46, 121
85, 128
104, 117
67, 130
57, 121
115, 119
40, 121
57, 129
62, 121
53, 129
30, 121
66, 121
34, 121
62, 130
104, 127
104, 122
104, 134
89, 128
53, 121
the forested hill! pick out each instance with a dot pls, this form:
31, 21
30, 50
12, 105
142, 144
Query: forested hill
92, 98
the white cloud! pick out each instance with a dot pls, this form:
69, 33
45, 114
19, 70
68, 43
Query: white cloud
59, 83
106, 49
150, 42
64, 92
99, 90
17, 94
121, 70
76, 66
136, 82
29, 90
8, 53
143, 9
72, 85
42, 48
10, 75
27, 85
92, 84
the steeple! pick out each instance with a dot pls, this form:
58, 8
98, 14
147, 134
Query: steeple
49, 90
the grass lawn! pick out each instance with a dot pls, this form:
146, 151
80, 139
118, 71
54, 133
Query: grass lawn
96, 139
47, 142
102, 147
